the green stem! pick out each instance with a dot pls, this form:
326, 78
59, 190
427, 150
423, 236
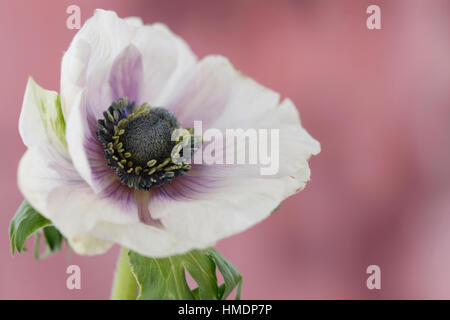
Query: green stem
125, 286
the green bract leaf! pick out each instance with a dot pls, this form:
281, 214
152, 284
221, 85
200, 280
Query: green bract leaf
165, 278
53, 242
53, 238
37, 247
25, 223
231, 276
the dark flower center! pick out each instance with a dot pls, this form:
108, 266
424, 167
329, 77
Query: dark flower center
149, 136
138, 144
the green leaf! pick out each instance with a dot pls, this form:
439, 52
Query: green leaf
165, 278
232, 277
25, 223
53, 238
37, 247
159, 278
53, 242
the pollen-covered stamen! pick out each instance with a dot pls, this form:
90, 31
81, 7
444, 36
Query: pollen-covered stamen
138, 146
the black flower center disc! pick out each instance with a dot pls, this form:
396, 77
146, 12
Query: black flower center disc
138, 144
149, 136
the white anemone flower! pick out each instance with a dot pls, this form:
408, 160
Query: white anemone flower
69, 172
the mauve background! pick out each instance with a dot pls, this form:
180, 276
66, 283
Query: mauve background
378, 101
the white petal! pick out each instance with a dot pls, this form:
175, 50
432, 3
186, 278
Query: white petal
89, 245
88, 60
227, 210
77, 134
134, 21
53, 187
223, 98
166, 59
76, 210
41, 120
203, 93
84, 148
146, 240
243, 197
41, 170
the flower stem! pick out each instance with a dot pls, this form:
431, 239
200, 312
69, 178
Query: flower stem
125, 286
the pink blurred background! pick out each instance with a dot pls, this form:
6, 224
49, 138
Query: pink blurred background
378, 101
